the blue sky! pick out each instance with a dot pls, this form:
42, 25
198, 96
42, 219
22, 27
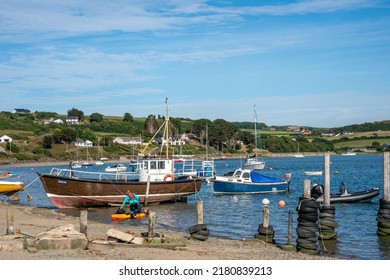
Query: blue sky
310, 63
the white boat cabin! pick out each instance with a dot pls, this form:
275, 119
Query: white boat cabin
157, 169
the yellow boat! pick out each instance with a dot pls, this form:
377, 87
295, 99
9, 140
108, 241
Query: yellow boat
9, 188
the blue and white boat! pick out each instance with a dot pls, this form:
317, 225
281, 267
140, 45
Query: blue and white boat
249, 182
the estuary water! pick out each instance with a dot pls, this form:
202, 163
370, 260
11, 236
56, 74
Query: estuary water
238, 216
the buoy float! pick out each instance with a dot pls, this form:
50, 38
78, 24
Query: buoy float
281, 203
265, 201
270, 168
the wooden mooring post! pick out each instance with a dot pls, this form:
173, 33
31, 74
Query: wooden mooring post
386, 176
327, 222
147, 191
384, 203
84, 222
10, 220
151, 224
199, 211
326, 195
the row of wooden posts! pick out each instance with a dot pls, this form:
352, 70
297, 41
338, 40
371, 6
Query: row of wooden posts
326, 203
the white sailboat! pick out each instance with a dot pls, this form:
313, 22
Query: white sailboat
298, 155
254, 163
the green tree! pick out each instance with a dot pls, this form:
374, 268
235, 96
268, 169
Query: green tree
95, 117
47, 142
127, 117
57, 135
88, 134
75, 113
69, 134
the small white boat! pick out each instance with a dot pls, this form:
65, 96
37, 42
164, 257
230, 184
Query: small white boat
116, 168
254, 164
313, 173
76, 164
349, 154
99, 162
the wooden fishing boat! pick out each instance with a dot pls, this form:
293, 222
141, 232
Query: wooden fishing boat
157, 181
9, 188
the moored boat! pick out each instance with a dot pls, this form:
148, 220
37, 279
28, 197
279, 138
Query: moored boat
313, 173
157, 181
344, 196
249, 181
9, 187
120, 167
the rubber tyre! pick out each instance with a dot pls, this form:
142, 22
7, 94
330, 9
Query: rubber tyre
266, 232
329, 223
325, 208
306, 234
308, 246
308, 210
384, 225
196, 228
309, 217
307, 224
327, 235
326, 215
308, 203
199, 236
261, 227
205, 232
385, 230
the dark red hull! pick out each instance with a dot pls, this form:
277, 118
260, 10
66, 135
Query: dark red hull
70, 192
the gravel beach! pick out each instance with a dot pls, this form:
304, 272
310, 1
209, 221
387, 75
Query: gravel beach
31, 221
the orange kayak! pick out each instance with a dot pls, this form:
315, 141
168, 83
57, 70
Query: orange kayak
119, 217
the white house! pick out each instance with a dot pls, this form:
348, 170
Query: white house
72, 120
5, 139
81, 143
128, 140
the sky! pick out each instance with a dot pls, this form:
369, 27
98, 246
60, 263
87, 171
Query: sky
321, 63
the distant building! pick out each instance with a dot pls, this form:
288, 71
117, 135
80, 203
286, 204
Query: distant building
59, 121
72, 120
128, 140
21, 111
294, 128
81, 143
5, 139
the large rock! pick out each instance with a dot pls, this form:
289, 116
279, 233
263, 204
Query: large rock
64, 237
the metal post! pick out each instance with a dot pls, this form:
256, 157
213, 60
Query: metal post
199, 208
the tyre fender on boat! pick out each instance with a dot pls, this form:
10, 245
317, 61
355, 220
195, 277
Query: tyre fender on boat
169, 176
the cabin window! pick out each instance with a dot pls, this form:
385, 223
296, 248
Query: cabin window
245, 175
238, 174
161, 165
153, 165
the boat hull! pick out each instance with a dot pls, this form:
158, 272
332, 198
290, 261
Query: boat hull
361, 196
224, 187
71, 192
9, 188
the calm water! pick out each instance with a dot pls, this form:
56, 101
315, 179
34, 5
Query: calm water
238, 216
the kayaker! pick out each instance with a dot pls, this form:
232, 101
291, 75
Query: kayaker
133, 200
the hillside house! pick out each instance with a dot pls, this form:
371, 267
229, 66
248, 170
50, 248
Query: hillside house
81, 143
21, 111
72, 120
128, 140
5, 139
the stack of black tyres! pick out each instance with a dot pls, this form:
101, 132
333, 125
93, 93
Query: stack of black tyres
327, 223
199, 232
383, 218
265, 233
307, 229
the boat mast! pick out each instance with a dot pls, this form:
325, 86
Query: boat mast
166, 127
254, 108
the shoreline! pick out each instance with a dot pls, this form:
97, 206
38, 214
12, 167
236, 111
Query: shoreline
53, 163
34, 220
